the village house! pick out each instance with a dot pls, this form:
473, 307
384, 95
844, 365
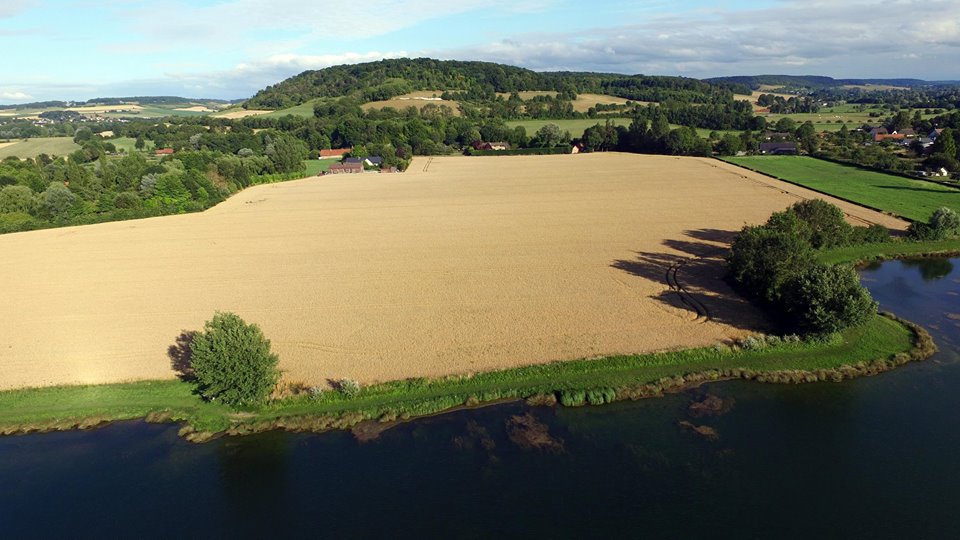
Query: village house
345, 168
164, 151
779, 148
492, 145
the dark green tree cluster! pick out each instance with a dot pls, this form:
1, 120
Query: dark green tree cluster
94, 184
776, 265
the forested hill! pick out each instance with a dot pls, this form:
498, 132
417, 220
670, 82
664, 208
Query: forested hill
375, 81
813, 82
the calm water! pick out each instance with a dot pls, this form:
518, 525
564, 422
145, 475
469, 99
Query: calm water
871, 458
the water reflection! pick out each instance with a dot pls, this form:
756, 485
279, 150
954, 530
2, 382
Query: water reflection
930, 268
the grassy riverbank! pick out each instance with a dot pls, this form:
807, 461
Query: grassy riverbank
596, 380
889, 250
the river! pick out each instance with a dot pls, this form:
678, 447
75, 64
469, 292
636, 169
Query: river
870, 458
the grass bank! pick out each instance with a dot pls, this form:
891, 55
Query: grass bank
879, 345
889, 250
912, 199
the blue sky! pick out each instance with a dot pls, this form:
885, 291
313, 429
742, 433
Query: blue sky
79, 49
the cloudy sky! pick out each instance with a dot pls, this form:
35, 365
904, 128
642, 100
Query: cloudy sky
79, 49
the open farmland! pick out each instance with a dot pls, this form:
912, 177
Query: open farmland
457, 266
912, 199
419, 99
52, 146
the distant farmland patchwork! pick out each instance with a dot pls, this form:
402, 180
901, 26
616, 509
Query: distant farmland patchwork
457, 266
912, 199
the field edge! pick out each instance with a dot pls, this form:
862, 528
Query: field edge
884, 343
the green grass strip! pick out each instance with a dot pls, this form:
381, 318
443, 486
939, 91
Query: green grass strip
76, 406
888, 250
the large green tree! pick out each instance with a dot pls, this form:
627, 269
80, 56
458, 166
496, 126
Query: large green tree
232, 362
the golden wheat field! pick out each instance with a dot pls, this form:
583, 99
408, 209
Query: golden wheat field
458, 265
418, 99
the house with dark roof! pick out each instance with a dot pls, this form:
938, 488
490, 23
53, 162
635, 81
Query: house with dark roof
779, 148
354, 160
491, 145
373, 161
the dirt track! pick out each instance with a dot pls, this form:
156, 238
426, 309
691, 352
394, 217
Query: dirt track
477, 263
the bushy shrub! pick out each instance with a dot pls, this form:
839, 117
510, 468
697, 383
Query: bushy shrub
232, 361
943, 223
600, 396
573, 398
873, 234
348, 387
825, 299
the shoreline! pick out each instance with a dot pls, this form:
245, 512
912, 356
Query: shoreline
572, 383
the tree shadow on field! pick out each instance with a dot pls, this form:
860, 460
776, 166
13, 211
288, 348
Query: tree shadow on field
694, 270
181, 357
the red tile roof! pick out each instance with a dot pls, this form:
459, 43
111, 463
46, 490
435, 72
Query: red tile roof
335, 152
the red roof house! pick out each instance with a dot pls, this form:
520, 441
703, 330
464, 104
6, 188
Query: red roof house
334, 152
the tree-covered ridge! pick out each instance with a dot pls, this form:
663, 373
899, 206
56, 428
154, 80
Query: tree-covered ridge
385, 79
819, 82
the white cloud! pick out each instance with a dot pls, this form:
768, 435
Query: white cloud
11, 95
290, 23
10, 8
852, 38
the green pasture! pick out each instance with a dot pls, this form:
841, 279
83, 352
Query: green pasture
911, 199
52, 146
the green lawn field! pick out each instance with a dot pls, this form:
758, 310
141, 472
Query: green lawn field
128, 144
912, 199
317, 166
52, 146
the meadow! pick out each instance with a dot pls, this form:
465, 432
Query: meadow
52, 146
911, 199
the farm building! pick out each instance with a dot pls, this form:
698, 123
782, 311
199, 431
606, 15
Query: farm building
779, 148
164, 152
354, 160
345, 168
373, 161
330, 153
492, 145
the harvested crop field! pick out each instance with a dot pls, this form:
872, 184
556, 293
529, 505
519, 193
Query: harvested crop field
419, 99
459, 265
235, 114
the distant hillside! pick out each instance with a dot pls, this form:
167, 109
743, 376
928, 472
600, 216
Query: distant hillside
813, 82
142, 100
383, 80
